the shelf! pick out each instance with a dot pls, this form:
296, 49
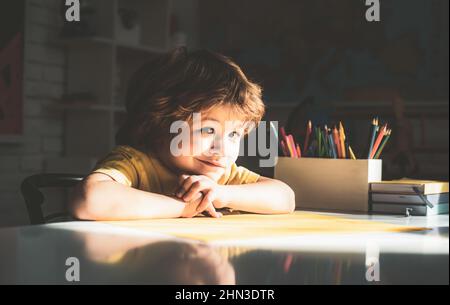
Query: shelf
101, 41
89, 107
99, 67
11, 139
366, 104
74, 42
431, 150
86, 41
140, 48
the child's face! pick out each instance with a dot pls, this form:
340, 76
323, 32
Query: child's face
214, 144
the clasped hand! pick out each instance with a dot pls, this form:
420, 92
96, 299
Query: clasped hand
200, 193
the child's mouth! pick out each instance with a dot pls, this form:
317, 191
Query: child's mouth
211, 163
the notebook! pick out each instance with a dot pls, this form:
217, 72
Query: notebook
410, 186
413, 209
409, 199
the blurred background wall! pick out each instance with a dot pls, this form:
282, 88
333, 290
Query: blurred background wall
44, 69
318, 60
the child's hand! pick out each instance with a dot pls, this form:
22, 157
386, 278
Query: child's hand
193, 186
192, 208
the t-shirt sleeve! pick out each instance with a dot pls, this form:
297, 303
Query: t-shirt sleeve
241, 175
119, 166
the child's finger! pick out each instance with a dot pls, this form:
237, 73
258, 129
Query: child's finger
204, 203
179, 192
207, 205
186, 185
194, 189
212, 211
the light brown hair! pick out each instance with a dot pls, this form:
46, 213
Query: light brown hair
175, 85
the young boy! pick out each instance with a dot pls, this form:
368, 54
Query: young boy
146, 176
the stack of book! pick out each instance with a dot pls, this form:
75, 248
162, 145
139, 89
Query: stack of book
409, 197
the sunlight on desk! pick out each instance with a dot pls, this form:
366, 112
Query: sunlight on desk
250, 226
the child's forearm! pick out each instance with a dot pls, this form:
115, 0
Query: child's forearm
109, 200
267, 196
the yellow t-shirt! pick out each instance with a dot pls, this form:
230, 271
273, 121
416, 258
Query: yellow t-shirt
142, 171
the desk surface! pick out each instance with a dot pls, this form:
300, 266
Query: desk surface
111, 254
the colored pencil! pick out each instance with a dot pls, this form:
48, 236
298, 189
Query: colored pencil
291, 143
374, 129
324, 142
284, 149
307, 136
352, 154
312, 148
383, 144
326, 150
342, 138
283, 133
319, 140
333, 148
289, 147
337, 142
299, 151
378, 140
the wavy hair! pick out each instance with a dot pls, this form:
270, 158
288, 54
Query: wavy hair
173, 86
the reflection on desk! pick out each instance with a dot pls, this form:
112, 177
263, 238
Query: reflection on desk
108, 254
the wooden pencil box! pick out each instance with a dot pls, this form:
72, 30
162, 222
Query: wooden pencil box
329, 184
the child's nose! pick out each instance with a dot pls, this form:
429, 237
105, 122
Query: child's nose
217, 146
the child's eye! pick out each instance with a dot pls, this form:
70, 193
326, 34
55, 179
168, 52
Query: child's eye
235, 135
207, 130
